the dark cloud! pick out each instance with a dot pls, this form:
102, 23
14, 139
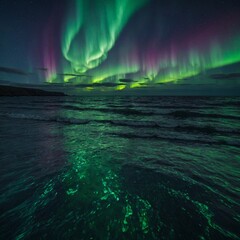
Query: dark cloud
83, 85
146, 87
225, 76
96, 85
55, 84
4, 82
42, 69
127, 80
13, 71
73, 75
108, 84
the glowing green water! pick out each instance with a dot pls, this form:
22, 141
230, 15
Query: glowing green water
100, 180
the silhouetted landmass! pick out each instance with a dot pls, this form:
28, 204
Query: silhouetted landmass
20, 91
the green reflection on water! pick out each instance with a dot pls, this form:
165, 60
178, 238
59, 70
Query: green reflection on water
94, 202
93, 180
93, 184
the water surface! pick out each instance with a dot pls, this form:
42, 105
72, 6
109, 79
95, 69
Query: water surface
119, 168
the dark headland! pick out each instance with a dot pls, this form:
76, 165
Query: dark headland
10, 91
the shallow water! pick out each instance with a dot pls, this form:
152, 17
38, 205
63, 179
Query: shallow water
119, 168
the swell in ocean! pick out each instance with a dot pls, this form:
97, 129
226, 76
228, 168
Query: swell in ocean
139, 167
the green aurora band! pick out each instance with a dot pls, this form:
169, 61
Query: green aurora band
100, 28
89, 47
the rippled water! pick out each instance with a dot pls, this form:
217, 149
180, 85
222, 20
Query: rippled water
119, 168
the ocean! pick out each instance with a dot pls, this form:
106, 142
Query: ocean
120, 168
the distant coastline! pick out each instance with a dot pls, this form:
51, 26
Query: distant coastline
10, 91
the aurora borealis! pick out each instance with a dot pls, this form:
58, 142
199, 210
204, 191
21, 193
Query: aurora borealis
86, 44
99, 36
120, 119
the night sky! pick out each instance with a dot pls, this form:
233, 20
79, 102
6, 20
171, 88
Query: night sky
145, 46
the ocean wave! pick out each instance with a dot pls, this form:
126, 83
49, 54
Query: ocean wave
190, 114
181, 114
123, 111
157, 106
172, 139
26, 108
135, 124
225, 104
207, 129
44, 118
